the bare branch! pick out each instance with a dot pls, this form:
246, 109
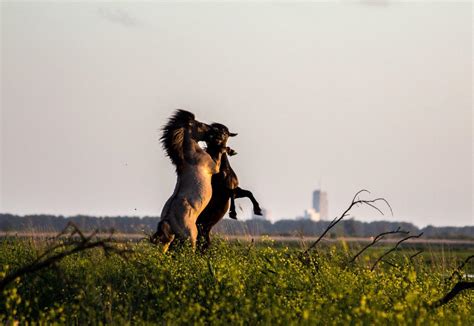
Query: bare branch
355, 202
65, 231
386, 202
395, 248
377, 239
415, 254
358, 193
391, 264
458, 288
50, 257
374, 207
459, 268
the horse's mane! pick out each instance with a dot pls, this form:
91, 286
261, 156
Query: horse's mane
173, 136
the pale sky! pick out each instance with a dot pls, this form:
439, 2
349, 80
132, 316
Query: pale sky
350, 94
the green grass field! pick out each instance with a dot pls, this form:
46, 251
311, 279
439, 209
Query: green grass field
235, 283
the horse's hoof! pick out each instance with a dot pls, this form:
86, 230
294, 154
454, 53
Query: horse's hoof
153, 239
233, 215
258, 211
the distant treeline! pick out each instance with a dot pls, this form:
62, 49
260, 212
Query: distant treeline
146, 225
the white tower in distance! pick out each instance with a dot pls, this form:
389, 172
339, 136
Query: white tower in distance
320, 203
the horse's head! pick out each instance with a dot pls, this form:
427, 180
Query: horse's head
181, 123
199, 130
218, 136
183, 119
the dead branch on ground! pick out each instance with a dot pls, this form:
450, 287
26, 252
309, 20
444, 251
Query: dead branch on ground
459, 268
71, 246
458, 288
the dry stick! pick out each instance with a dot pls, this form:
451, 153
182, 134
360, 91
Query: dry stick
66, 230
37, 265
416, 254
460, 286
377, 239
389, 263
56, 238
395, 248
355, 201
75, 230
456, 271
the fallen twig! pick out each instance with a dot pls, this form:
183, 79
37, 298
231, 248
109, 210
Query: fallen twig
49, 258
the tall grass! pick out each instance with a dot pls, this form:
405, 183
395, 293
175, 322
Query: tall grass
234, 283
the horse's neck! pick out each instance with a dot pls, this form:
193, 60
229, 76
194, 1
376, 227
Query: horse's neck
214, 152
230, 176
190, 146
225, 164
194, 155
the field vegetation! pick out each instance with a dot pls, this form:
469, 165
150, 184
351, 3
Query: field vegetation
233, 283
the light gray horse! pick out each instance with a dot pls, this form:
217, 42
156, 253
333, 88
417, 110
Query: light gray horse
194, 168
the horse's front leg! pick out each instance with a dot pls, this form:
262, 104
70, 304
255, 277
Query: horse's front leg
217, 160
241, 193
230, 151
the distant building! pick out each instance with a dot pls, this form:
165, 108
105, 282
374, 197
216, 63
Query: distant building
324, 206
311, 214
320, 203
317, 200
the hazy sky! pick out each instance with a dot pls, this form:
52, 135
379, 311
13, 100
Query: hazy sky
355, 94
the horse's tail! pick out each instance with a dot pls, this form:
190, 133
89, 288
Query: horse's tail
163, 234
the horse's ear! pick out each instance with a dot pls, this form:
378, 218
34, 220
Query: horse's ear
232, 134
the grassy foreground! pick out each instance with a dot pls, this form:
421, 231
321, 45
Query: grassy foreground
234, 283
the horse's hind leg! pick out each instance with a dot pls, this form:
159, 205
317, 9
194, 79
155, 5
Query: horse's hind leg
164, 235
208, 239
204, 239
192, 234
232, 212
241, 193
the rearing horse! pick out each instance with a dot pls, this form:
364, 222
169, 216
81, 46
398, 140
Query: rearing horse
225, 187
194, 168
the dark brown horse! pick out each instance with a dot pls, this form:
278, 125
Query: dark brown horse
225, 187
